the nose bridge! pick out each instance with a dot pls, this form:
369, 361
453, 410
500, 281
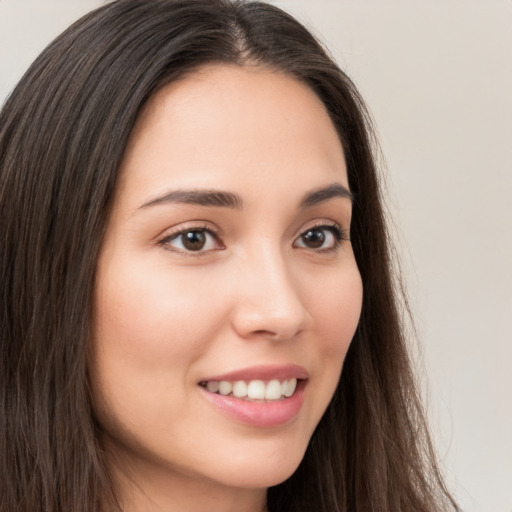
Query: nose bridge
269, 301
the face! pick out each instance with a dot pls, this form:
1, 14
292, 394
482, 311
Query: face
226, 276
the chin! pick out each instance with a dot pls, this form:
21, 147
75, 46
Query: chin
263, 471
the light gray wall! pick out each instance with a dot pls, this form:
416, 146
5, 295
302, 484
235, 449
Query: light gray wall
438, 78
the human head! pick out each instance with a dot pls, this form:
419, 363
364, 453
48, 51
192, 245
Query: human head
63, 133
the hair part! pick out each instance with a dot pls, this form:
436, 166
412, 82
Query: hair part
63, 133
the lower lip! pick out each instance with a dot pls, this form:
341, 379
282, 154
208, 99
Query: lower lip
259, 414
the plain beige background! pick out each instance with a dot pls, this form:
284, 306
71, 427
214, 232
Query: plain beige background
437, 76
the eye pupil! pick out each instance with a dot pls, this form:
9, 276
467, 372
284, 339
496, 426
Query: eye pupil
314, 238
194, 240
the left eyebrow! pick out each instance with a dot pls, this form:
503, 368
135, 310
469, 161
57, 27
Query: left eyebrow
199, 197
320, 195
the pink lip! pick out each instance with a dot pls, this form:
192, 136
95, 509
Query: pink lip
262, 414
263, 372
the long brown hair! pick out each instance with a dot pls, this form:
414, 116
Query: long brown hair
63, 132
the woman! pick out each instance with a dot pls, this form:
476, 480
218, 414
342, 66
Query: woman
193, 248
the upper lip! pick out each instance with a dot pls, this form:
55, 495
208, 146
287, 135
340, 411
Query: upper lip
262, 372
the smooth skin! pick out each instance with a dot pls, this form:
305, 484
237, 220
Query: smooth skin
185, 291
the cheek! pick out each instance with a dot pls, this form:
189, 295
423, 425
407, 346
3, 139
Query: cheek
146, 314
146, 338
144, 341
337, 310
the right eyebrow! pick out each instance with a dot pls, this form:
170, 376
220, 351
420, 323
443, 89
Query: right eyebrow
215, 198
321, 195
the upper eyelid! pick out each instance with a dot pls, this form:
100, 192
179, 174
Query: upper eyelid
164, 241
190, 226
322, 223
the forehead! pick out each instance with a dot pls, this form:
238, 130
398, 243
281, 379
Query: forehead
234, 123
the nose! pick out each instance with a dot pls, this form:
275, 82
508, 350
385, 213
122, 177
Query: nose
268, 302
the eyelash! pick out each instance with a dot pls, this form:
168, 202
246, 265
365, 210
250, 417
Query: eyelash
340, 235
337, 232
165, 242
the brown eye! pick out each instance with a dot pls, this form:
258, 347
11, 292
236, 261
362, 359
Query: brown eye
192, 240
322, 238
313, 238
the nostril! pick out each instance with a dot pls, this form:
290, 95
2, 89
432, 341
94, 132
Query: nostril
263, 332
277, 336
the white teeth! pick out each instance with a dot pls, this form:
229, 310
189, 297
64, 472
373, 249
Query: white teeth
254, 389
240, 389
225, 387
290, 387
273, 390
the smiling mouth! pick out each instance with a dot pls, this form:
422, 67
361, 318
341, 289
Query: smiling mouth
253, 390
